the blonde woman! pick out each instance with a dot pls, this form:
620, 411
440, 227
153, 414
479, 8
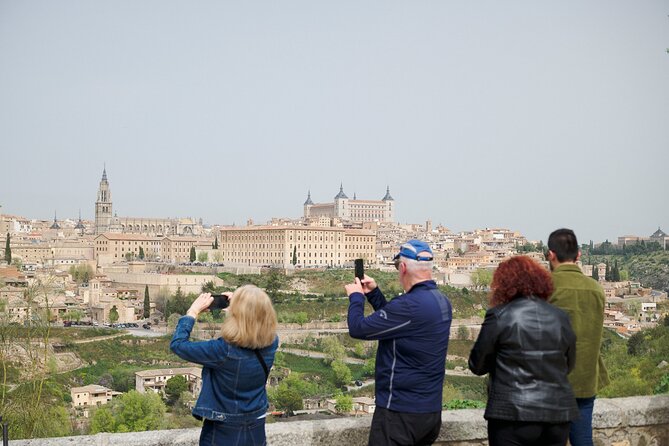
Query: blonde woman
233, 400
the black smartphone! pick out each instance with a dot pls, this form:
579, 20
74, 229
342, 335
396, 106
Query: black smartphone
220, 301
359, 269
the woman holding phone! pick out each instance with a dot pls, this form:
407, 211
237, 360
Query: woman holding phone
233, 399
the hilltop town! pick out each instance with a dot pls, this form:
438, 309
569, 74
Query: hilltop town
132, 275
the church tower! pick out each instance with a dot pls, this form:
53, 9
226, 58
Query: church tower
103, 205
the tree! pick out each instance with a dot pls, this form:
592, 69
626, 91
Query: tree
147, 302
332, 349
174, 387
8, 251
301, 317
179, 303
294, 262
342, 374
481, 278
73, 315
215, 245
607, 275
203, 256
113, 314
287, 398
344, 403
369, 367
615, 273
130, 412
273, 283
192, 254
141, 253
595, 272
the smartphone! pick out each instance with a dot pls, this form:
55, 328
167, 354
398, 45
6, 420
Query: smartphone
220, 301
359, 269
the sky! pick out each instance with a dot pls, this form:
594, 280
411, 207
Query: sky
520, 114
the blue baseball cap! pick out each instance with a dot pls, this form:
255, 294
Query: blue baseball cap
415, 250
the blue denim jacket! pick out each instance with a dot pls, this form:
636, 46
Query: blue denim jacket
233, 380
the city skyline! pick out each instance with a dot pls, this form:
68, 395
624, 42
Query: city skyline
523, 116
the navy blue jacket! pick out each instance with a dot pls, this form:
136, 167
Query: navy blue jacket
412, 330
233, 380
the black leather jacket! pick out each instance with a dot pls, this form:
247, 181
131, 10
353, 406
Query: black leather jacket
528, 348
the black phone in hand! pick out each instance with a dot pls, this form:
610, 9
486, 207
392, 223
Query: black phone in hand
220, 301
359, 269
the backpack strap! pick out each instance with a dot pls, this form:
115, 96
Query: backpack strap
262, 363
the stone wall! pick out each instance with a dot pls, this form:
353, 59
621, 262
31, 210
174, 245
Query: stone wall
635, 421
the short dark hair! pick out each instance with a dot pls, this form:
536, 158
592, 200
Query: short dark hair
564, 244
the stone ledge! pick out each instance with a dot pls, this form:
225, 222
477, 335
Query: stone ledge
634, 420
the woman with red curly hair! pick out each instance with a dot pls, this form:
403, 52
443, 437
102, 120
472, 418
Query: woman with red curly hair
527, 347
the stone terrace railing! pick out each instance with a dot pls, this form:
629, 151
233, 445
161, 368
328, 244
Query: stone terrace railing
635, 421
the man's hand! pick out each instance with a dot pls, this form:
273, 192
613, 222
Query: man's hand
355, 287
365, 286
368, 284
200, 304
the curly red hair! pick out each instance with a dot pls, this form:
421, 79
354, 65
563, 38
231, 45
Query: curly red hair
520, 276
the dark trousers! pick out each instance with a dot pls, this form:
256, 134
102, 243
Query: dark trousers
390, 428
524, 433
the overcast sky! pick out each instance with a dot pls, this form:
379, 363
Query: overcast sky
519, 114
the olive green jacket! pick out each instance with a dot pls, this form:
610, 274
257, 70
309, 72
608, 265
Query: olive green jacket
583, 299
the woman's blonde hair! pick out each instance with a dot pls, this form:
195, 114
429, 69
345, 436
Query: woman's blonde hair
251, 319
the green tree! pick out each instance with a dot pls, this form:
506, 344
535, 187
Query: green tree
192, 254
8, 251
274, 281
174, 387
369, 367
342, 373
147, 302
131, 412
608, 275
215, 245
179, 303
103, 421
344, 403
73, 315
595, 272
301, 317
203, 257
481, 278
332, 349
113, 314
294, 262
141, 253
287, 398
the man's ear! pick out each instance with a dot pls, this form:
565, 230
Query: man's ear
578, 256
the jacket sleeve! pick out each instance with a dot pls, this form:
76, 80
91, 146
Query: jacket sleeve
390, 321
376, 299
482, 356
208, 353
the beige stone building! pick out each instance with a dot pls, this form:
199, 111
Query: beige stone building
92, 395
313, 246
106, 221
155, 380
114, 248
352, 210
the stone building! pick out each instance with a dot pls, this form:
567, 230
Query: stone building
353, 210
106, 221
312, 246
155, 380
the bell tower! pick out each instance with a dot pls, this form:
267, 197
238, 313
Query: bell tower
103, 205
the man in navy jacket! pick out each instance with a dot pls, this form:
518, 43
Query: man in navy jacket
412, 330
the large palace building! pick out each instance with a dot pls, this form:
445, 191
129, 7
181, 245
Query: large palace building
382, 211
106, 221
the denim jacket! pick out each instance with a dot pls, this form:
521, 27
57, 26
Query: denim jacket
233, 380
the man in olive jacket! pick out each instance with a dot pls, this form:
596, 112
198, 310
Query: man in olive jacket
583, 299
